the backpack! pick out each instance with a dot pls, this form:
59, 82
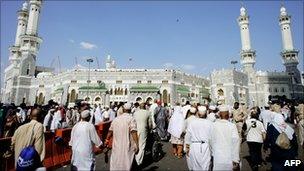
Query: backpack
283, 142
157, 150
28, 159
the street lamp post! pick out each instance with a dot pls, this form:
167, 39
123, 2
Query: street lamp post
89, 60
291, 84
233, 63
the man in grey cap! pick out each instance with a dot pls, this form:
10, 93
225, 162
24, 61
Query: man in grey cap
83, 137
123, 129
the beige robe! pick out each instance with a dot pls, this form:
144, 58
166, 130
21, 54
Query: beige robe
22, 135
144, 124
123, 147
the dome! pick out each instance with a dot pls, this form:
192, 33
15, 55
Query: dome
243, 11
24, 6
283, 11
44, 74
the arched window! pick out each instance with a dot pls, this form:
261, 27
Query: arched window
28, 70
220, 92
126, 91
87, 99
138, 99
149, 99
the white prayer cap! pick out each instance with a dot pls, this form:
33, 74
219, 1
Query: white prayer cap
192, 109
127, 106
106, 106
85, 114
212, 107
223, 108
202, 110
52, 110
106, 114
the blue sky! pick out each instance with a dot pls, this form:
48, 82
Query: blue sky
206, 36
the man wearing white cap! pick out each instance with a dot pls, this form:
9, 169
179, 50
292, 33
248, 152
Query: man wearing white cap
125, 140
83, 137
105, 114
266, 116
211, 116
225, 142
198, 139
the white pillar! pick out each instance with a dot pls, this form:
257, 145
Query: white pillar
285, 30
33, 19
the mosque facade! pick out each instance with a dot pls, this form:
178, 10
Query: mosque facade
26, 82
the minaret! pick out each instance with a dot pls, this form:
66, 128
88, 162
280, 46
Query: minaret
21, 28
34, 11
108, 62
29, 48
22, 23
247, 53
289, 54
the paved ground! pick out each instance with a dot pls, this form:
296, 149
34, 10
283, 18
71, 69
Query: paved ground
169, 162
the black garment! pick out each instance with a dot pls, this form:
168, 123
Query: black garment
278, 155
255, 151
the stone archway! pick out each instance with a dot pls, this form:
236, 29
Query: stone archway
40, 98
138, 99
73, 96
165, 96
97, 100
149, 99
87, 99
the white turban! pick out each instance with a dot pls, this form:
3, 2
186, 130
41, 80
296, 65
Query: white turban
127, 106
223, 108
202, 110
193, 110
212, 107
85, 114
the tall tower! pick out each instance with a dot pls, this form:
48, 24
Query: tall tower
21, 71
289, 54
247, 54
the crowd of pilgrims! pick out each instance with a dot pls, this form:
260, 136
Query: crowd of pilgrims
208, 136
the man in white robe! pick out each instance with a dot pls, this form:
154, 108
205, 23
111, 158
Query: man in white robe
197, 139
123, 129
152, 111
97, 115
225, 142
83, 137
112, 113
176, 129
211, 115
48, 119
144, 124
186, 108
56, 122
266, 116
